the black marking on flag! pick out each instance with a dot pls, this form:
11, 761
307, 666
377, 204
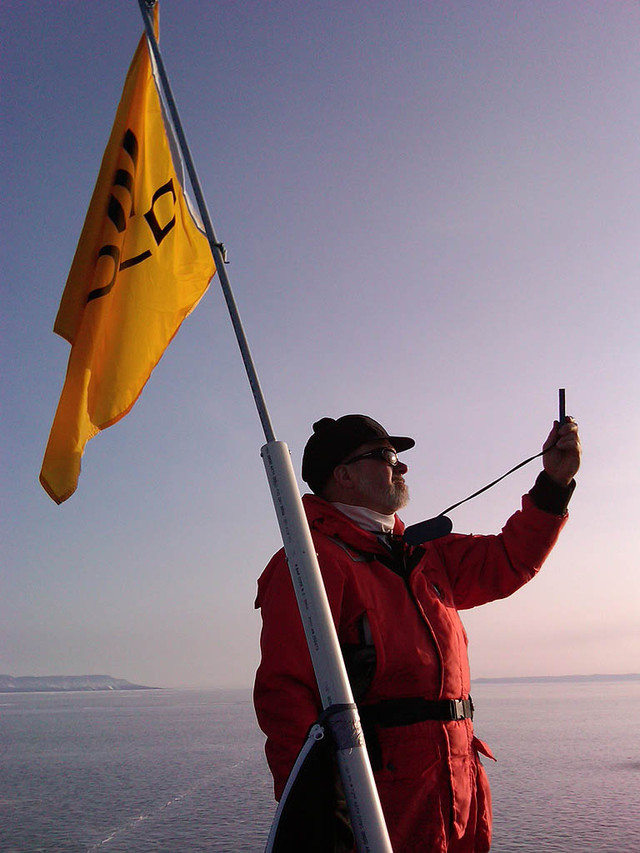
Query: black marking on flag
116, 214
123, 179
137, 260
160, 233
110, 252
130, 145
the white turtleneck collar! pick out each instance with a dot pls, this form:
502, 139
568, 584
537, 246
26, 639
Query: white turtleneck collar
367, 518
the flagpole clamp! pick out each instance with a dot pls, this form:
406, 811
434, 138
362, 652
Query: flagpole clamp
223, 251
344, 725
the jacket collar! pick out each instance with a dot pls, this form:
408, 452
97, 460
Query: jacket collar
327, 519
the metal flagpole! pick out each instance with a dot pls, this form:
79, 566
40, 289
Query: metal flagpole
335, 691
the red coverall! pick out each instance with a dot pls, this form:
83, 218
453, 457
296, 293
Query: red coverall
433, 789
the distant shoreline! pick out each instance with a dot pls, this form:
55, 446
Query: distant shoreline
106, 684
541, 679
10, 684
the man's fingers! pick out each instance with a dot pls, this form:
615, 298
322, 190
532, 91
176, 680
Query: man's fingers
563, 437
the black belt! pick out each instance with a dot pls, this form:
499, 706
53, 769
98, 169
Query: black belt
405, 712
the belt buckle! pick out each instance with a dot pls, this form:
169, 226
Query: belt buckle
457, 709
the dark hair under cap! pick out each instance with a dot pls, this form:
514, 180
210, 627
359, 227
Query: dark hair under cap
333, 440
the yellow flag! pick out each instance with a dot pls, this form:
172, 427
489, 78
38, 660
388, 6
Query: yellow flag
142, 264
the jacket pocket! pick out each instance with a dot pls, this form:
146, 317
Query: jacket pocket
360, 658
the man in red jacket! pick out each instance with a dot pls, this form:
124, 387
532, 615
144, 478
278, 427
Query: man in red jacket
395, 608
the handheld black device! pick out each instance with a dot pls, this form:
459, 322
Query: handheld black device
440, 525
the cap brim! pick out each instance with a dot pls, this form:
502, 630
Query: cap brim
401, 442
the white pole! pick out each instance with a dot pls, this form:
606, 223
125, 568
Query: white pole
343, 721
359, 785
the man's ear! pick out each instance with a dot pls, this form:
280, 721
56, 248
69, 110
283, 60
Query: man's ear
342, 477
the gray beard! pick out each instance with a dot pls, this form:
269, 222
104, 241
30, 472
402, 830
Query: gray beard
392, 499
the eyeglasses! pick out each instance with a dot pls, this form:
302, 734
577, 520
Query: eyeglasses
386, 454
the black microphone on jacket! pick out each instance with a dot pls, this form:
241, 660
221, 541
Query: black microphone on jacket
425, 531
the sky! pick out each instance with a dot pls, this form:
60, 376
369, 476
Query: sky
431, 214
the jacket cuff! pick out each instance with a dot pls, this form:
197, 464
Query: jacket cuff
549, 496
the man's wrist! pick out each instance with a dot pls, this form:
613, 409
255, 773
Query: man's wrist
550, 496
563, 482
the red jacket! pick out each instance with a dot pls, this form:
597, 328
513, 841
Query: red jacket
432, 787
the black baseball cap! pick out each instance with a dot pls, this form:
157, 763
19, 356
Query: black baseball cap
333, 440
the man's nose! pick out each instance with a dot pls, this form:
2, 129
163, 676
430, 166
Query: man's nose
401, 467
